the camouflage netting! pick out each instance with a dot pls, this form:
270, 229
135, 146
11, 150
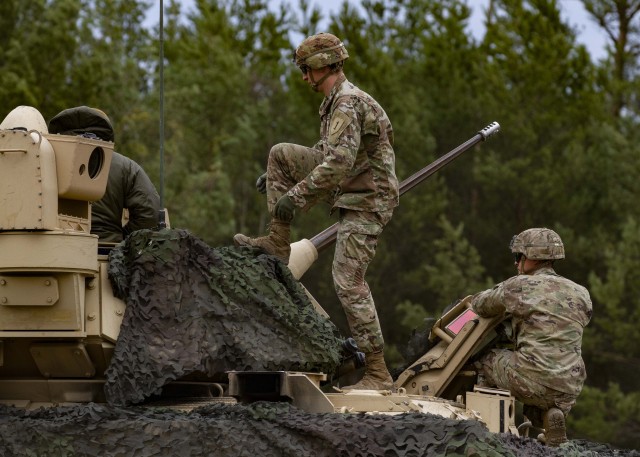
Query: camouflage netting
261, 429
195, 309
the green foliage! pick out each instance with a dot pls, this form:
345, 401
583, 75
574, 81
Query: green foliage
210, 204
412, 315
607, 416
33, 32
612, 343
566, 157
539, 84
621, 21
455, 270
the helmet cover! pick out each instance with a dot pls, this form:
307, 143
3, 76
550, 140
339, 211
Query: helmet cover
320, 50
538, 244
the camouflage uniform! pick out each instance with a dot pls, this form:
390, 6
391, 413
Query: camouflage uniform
352, 168
548, 314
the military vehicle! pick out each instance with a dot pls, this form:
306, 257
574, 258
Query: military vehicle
60, 320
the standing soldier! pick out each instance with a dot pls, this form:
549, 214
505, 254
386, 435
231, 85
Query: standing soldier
548, 314
353, 168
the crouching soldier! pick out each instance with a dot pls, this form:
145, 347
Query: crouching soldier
548, 314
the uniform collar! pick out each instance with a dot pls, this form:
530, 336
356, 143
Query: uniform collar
326, 103
546, 270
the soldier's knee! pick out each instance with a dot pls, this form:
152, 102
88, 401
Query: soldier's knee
277, 150
352, 294
350, 286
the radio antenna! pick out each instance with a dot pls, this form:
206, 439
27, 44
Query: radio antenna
162, 223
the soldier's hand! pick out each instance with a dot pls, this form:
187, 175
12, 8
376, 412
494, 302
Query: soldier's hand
261, 184
284, 209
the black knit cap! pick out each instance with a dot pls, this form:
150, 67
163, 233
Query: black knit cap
82, 120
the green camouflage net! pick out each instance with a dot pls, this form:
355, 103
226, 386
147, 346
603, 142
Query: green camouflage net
195, 309
261, 429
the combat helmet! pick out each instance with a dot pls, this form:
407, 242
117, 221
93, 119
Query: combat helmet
538, 244
319, 51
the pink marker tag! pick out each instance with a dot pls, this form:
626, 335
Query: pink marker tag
456, 325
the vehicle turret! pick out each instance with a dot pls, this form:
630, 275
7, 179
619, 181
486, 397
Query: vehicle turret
54, 325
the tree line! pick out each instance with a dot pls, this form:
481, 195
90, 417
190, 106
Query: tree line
567, 156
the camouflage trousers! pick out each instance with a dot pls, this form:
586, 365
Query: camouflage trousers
288, 165
356, 243
358, 233
499, 370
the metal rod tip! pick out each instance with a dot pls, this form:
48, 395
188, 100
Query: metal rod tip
489, 130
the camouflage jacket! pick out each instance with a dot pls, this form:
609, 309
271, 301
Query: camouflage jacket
548, 314
128, 187
358, 170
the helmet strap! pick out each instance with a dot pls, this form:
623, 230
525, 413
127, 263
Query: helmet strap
315, 84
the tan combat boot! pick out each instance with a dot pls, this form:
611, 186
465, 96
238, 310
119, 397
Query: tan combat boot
376, 376
275, 243
555, 432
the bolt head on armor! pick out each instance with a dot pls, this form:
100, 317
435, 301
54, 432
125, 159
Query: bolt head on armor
538, 244
321, 50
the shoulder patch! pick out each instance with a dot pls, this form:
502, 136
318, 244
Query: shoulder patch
339, 122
